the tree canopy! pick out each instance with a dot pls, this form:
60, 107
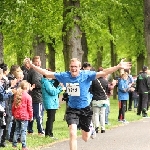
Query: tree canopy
23, 20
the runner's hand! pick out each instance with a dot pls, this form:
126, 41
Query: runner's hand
124, 65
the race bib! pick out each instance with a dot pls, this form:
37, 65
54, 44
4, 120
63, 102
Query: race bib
73, 89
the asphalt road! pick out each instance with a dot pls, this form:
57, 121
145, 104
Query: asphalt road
132, 136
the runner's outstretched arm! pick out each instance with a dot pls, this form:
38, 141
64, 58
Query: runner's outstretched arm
45, 72
121, 65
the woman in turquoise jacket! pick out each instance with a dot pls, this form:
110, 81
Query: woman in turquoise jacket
123, 96
51, 103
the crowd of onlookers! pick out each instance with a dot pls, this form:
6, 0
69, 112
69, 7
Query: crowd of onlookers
25, 94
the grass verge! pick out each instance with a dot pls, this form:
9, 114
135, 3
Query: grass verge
35, 142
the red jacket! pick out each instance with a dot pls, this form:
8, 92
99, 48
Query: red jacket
24, 111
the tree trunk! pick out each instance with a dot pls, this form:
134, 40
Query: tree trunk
140, 62
99, 59
51, 56
72, 47
113, 55
147, 28
39, 49
1, 48
84, 48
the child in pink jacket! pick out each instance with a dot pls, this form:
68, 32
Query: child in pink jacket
22, 112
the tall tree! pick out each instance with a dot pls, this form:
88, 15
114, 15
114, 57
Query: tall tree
39, 49
84, 47
1, 48
71, 31
1, 34
147, 28
51, 55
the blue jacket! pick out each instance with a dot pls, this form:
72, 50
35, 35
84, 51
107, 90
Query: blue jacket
123, 89
50, 94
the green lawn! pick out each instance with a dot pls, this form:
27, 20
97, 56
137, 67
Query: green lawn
61, 129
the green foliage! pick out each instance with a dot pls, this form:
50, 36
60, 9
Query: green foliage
22, 20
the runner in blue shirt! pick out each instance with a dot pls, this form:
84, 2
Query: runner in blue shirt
77, 83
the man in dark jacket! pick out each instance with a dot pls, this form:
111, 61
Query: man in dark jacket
143, 87
25, 68
34, 77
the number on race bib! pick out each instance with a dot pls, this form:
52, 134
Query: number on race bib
73, 89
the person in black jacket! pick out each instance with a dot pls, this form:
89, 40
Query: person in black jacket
34, 78
25, 68
99, 89
143, 87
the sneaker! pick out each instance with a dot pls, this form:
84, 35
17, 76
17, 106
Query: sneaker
10, 140
3, 144
19, 140
93, 132
102, 131
125, 121
51, 136
41, 133
97, 129
30, 132
144, 115
119, 120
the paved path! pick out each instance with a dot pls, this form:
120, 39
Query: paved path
132, 136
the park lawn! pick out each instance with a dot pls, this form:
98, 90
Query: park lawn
61, 129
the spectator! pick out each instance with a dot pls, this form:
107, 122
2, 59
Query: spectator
130, 82
123, 96
99, 101
34, 78
22, 112
18, 74
143, 87
86, 66
4, 95
25, 68
51, 103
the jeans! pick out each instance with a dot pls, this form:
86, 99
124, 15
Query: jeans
99, 117
107, 111
21, 127
38, 115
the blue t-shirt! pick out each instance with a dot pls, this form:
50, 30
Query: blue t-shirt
84, 79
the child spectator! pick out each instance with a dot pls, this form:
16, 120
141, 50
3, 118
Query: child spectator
22, 112
123, 96
18, 74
